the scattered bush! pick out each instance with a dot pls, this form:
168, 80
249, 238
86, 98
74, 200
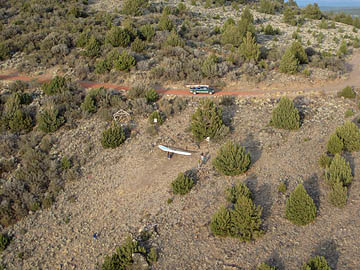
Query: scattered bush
151, 95
316, 263
231, 159
123, 256
299, 52
124, 62
349, 133
236, 191
113, 137
249, 48
50, 120
242, 222
289, 17
138, 45
289, 63
118, 36
349, 113
55, 86
89, 104
65, 163
4, 242
335, 145
342, 49
265, 266
207, 121
338, 194
313, 12
93, 47
4, 51
182, 184
269, 30
267, 6
285, 115
300, 207
339, 170
282, 188
347, 92
134, 7
147, 31
165, 23
174, 40
324, 161
158, 116
20, 121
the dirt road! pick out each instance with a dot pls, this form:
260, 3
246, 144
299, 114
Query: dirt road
353, 79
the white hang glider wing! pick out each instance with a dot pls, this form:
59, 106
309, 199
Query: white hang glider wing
174, 150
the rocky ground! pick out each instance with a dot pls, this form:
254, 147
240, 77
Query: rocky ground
125, 190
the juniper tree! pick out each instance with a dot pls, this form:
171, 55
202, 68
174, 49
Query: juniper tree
221, 222
207, 121
289, 63
232, 159
249, 48
335, 145
316, 263
349, 133
113, 137
285, 115
299, 52
240, 189
338, 194
340, 170
300, 207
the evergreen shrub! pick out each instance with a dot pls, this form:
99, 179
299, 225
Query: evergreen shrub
285, 115
182, 184
4, 241
316, 263
339, 170
55, 86
158, 116
113, 137
335, 145
50, 120
300, 207
232, 159
349, 133
347, 92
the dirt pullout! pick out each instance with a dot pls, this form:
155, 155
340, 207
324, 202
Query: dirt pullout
127, 188
329, 86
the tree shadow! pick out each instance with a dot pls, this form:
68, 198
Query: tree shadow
276, 261
313, 189
263, 197
253, 147
328, 249
349, 158
302, 104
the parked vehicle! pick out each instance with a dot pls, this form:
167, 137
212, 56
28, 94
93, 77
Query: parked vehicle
199, 89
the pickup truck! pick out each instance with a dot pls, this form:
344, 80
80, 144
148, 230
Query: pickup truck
201, 89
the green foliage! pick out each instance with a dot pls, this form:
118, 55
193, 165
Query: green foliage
300, 207
282, 188
349, 133
124, 62
289, 17
299, 52
174, 40
342, 49
4, 51
147, 31
134, 7
269, 30
285, 115
335, 145
316, 263
207, 121
324, 161
151, 95
265, 266
165, 23
338, 194
4, 242
249, 48
158, 116
209, 66
323, 24
232, 159
347, 92
113, 137
349, 113
118, 36
243, 221
122, 258
234, 33
339, 170
313, 12
236, 191
65, 163
20, 121
93, 47
83, 39
50, 120
89, 104
289, 63
55, 86
267, 6
182, 184
138, 45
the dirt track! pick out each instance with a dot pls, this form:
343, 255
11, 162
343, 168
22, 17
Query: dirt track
353, 79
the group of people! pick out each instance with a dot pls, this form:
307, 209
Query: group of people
202, 159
